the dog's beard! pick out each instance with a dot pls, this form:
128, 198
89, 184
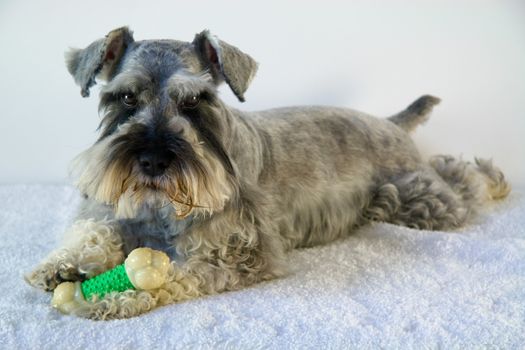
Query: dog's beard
138, 193
201, 188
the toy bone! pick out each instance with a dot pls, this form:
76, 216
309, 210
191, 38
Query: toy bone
144, 269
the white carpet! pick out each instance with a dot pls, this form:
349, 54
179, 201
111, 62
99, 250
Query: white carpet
383, 287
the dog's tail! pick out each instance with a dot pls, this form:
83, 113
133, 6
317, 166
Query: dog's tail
415, 114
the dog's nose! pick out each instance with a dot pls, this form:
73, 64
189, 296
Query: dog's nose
154, 163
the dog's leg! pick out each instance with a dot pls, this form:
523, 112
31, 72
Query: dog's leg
203, 274
91, 247
440, 197
181, 285
419, 199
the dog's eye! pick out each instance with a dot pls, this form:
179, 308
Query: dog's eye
129, 100
191, 102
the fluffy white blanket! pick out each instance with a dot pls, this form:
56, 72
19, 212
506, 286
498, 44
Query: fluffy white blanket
383, 287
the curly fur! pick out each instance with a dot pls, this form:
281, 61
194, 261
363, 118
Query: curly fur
90, 248
442, 197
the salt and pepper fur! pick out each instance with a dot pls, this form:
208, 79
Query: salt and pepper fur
244, 187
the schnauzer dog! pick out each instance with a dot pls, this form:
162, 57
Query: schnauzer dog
226, 193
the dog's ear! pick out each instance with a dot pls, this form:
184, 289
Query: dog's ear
99, 59
225, 62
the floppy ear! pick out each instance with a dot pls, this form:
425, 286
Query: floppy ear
99, 59
225, 62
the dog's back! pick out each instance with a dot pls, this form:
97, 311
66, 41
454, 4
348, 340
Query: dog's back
320, 164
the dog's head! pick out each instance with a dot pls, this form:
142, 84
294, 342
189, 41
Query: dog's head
164, 130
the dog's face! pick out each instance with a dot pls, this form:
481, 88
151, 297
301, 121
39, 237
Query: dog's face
163, 131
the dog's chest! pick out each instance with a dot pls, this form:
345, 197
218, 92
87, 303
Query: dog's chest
156, 229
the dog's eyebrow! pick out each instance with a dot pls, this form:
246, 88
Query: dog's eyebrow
181, 85
135, 82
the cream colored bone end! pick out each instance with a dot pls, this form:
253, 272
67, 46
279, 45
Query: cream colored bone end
147, 268
67, 296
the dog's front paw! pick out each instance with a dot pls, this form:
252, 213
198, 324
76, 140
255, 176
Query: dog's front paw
49, 275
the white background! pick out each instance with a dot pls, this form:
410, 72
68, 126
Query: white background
372, 56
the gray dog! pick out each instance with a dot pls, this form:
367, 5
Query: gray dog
226, 193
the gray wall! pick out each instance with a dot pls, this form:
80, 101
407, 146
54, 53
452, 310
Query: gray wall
376, 57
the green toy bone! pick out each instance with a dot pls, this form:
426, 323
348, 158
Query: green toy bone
144, 269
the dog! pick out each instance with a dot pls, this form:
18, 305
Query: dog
227, 193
